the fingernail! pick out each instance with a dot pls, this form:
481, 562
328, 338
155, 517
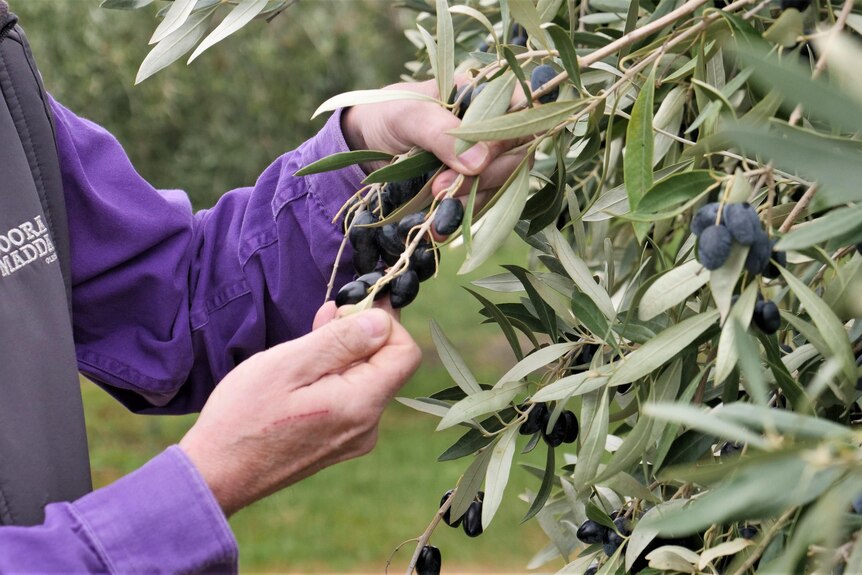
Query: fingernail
375, 323
474, 158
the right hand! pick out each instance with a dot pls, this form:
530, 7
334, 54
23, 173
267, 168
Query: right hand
288, 412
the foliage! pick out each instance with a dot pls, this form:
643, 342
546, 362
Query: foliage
729, 446
215, 125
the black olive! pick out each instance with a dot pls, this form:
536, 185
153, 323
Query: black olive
390, 243
447, 218
409, 222
704, 217
767, 317
404, 289
713, 248
800, 5
748, 531
472, 522
365, 258
742, 222
429, 561
571, 426
447, 516
360, 235
591, 532
536, 421
423, 262
758, 254
557, 434
778, 258
372, 278
351, 293
465, 94
613, 540
542, 75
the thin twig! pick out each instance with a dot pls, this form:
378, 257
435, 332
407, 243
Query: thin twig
796, 115
426, 535
767, 537
798, 209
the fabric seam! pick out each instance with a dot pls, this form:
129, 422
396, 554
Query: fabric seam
94, 539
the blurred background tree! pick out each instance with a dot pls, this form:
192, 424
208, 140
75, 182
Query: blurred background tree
214, 126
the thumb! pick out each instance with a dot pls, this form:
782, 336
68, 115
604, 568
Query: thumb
337, 345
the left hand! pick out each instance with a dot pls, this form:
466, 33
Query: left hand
396, 127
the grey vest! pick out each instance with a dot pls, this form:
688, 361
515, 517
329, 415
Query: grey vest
43, 442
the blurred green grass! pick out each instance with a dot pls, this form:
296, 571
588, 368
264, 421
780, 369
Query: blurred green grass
350, 517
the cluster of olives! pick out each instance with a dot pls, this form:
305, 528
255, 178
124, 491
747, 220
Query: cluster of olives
738, 223
565, 429
471, 521
594, 533
374, 248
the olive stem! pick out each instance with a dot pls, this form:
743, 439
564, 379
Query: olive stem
767, 537
426, 535
796, 115
417, 234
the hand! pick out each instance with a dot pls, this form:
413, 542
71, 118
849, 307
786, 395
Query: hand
395, 127
292, 410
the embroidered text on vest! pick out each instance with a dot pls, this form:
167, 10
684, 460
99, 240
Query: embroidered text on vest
24, 244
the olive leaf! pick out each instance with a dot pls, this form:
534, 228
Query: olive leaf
452, 361
662, 348
740, 317
244, 12
175, 17
480, 403
497, 474
673, 287
357, 97
173, 45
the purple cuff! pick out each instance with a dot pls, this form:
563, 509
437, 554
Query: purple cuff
161, 518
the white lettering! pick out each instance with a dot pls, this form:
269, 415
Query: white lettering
34, 242
16, 236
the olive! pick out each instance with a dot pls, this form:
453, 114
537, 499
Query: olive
592, 569
429, 561
767, 317
423, 261
536, 421
713, 248
742, 222
409, 222
704, 217
404, 289
748, 531
372, 278
778, 258
519, 41
351, 293
389, 243
360, 235
758, 254
591, 532
472, 522
616, 537
447, 516
542, 75
571, 422
731, 449
365, 258
557, 434
448, 216
800, 5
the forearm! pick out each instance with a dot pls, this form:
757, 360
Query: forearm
161, 518
166, 302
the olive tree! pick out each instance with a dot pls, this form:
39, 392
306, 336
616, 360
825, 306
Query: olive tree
688, 327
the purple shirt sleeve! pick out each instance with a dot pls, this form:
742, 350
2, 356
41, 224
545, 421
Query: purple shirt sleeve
165, 303
161, 518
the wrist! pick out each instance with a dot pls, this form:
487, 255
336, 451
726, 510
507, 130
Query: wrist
216, 475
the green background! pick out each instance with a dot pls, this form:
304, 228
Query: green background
214, 126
